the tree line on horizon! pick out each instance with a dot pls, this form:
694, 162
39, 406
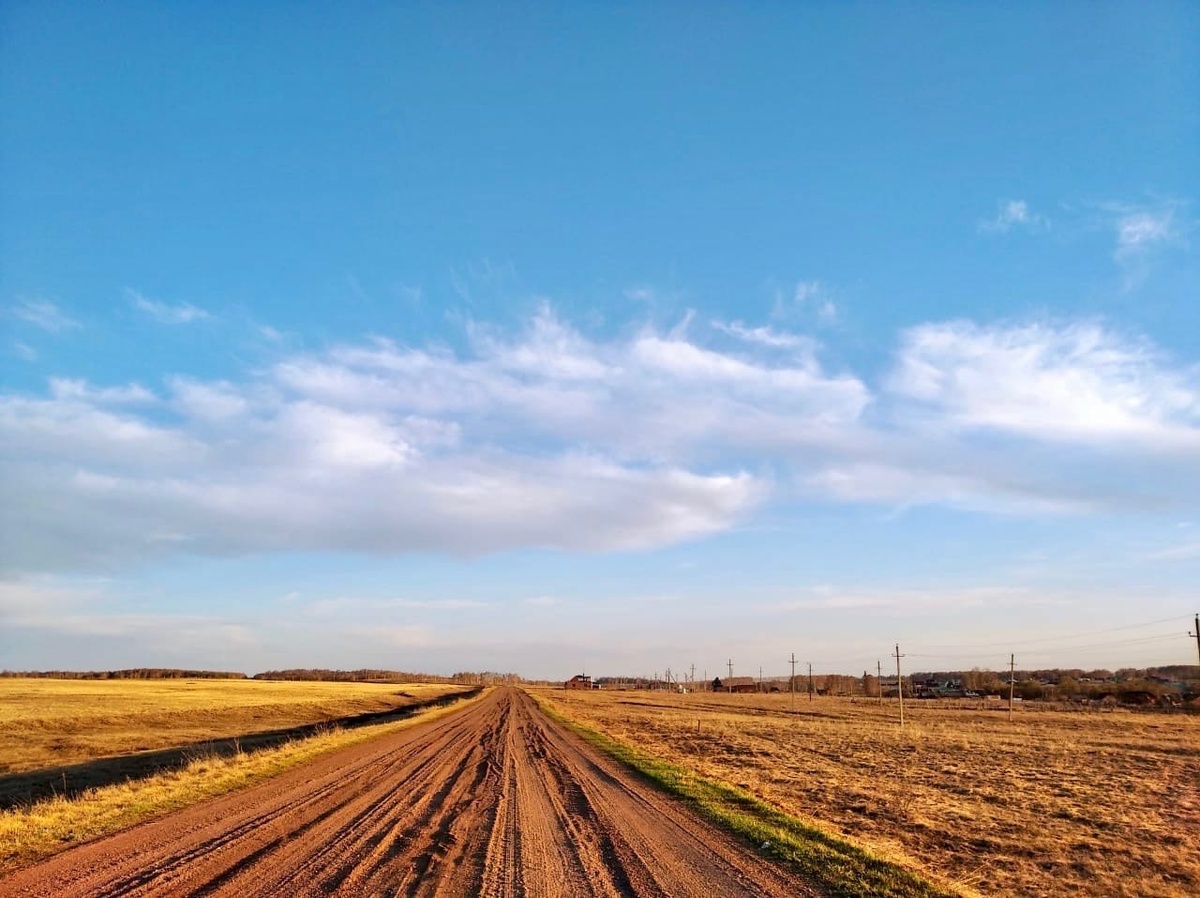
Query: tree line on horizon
133, 673
461, 678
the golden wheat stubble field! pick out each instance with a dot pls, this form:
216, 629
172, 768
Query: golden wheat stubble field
1053, 803
53, 723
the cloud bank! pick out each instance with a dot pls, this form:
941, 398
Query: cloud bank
549, 438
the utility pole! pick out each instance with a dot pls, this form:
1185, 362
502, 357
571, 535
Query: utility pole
879, 679
793, 681
810, 689
760, 689
1197, 635
692, 681
730, 663
899, 683
1012, 683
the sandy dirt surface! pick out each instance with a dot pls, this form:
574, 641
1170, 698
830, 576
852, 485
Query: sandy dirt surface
495, 801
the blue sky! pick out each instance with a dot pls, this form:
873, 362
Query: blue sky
546, 337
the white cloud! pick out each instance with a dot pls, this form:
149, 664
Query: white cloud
220, 401
1013, 213
1074, 382
165, 313
545, 437
546, 440
77, 429
44, 314
25, 352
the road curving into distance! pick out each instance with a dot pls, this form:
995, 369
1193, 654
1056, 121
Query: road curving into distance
495, 800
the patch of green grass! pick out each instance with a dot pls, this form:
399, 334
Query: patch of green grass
832, 864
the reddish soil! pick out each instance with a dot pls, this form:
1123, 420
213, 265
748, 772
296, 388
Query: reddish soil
495, 800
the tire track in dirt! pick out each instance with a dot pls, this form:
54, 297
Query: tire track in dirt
494, 800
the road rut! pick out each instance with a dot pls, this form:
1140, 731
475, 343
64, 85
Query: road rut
495, 800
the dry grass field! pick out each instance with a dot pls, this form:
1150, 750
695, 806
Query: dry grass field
35, 831
1053, 803
53, 723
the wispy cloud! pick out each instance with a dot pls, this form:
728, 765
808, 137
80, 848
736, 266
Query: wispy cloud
75, 389
925, 601
1143, 233
1180, 552
69, 607
1013, 214
805, 300
44, 314
24, 352
350, 606
166, 313
765, 336
1140, 231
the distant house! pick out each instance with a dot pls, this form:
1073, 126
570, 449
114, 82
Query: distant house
579, 681
737, 684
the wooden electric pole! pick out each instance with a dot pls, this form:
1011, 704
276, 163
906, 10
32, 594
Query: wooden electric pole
793, 682
810, 688
899, 683
879, 680
1012, 682
1197, 635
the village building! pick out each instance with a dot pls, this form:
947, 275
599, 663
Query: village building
735, 684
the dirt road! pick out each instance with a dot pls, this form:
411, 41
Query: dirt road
495, 800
